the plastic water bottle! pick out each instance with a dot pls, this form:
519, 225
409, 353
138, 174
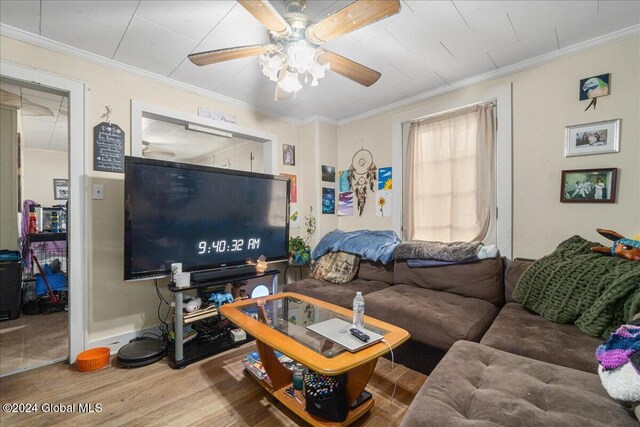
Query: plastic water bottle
358, 310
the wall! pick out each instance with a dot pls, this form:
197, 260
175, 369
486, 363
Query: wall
544, 101
116, 307
40, 168
9, 178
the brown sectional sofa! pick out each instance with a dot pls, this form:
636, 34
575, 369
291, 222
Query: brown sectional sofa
521, 369
438, 306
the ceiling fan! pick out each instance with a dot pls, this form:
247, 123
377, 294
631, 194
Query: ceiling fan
295, 49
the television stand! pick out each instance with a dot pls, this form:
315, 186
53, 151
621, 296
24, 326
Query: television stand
182, 354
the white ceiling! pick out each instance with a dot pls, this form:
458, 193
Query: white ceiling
169, 141
44, 117
428, 45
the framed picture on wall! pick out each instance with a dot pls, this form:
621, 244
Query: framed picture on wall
288, 154
589, 186
592, 138
60, 189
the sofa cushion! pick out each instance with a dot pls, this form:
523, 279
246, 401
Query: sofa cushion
434, 318
481, 279
512, 276
335, 267
341, 295
478, 385
371, 270
520, 331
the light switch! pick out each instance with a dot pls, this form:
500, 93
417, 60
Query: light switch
98, 191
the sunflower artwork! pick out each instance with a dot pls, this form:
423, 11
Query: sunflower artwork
384, 203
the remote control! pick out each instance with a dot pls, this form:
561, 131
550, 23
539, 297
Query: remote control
359, 334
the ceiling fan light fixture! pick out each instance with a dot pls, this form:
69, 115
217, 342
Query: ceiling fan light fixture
289, 82
271, 65
301, 56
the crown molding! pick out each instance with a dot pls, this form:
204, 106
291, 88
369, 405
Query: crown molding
319, 118
53, 45
44, 42
502, 72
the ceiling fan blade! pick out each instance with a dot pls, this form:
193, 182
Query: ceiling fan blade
349, 69
357, 15
221, 55
268, 16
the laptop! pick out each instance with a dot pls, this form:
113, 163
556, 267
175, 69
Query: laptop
337, 330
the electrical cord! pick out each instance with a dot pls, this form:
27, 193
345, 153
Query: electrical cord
395, 382
164, 326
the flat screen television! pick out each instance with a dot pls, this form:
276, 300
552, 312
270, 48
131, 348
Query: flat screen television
203, 217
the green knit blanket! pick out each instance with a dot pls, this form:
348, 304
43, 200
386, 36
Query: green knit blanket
575, 285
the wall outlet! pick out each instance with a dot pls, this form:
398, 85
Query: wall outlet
98, 191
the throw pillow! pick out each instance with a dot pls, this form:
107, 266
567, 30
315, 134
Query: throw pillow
336, 267
575, 285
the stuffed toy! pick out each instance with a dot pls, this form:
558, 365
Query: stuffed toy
621, 247
619, 359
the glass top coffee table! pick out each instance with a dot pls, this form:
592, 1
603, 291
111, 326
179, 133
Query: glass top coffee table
279, 322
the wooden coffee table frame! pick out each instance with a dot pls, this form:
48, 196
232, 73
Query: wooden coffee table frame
358, 366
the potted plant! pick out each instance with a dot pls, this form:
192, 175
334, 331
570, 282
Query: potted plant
299, 249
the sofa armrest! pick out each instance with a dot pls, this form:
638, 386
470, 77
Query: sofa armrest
512, 276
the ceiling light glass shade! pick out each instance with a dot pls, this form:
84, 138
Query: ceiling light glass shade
317, 71
270, 65
301, 56
290, 82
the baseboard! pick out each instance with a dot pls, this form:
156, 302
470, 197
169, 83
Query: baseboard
117, 341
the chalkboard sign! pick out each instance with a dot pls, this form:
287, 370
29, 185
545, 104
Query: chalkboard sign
108, 148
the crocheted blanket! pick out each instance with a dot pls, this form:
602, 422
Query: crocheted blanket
575, 285
620, 347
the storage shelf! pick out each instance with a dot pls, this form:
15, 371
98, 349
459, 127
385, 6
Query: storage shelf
201, 348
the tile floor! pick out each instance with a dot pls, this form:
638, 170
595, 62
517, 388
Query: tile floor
30, 341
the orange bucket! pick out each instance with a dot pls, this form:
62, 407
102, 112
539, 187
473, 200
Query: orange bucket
93, 359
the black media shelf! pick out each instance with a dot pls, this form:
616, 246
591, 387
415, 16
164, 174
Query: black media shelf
198, 349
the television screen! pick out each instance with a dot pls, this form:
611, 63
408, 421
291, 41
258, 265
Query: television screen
202, 217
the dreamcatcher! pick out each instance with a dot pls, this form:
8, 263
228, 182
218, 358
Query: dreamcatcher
362, 175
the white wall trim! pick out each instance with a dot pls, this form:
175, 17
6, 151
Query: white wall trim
504, 175
37, 40
116, 341
502, 72
270, 141
78, 230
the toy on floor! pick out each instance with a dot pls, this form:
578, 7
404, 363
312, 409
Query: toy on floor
621, 247
619, 359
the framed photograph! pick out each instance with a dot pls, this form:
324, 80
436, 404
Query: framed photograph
288, 154
60, 189
592, 138
589, 186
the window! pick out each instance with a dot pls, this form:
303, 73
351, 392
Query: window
449, 191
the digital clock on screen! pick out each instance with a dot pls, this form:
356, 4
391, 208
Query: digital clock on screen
233, 245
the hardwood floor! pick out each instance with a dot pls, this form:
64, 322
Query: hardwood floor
30, 341
213, 392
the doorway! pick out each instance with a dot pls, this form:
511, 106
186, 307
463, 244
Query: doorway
64, 99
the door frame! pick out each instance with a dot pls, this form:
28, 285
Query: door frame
77, 240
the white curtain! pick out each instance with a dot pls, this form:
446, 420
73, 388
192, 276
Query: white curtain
449, 176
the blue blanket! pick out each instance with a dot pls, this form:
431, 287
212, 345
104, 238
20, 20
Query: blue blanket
373, 245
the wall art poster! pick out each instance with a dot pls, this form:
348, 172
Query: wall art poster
293, 193
294, 216
594, 87
343, 181
60, 189
384, 203
384, 179
345, 203
328, 173
288, 154
328, 200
